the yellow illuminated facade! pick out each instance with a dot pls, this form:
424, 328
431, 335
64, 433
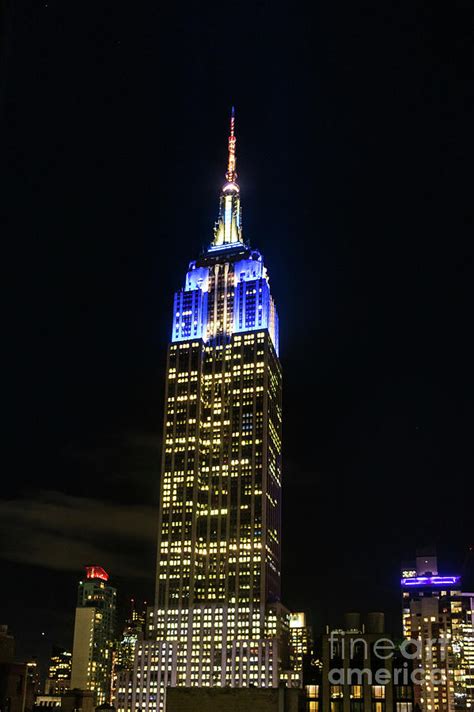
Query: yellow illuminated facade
221, 475
59, 672
438, 615
94, 632
300, 640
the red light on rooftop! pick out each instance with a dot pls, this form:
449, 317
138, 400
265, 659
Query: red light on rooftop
96, 572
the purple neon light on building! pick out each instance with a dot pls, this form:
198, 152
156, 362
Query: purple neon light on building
431, 581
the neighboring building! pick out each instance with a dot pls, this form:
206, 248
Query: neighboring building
16, 694
301, 639
45, 702
34, 678
296, 638
217, 614
18, 680
440, 616
360, 669
191, 699
70, 701
7, 645
94, 635
106, 707
124, 651
59, 672
123, 659
77, 701
463, 649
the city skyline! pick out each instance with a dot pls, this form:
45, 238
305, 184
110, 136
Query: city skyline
437, 614
231, 233
356, 154
218, 619
228, 229
248, 309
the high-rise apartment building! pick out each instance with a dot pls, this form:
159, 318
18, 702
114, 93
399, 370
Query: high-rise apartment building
218, 619
94, 635
438, 615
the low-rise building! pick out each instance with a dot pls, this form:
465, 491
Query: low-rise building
231, 699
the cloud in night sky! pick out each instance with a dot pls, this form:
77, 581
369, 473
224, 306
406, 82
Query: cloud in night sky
64, 532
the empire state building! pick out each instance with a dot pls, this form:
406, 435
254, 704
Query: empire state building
217, 619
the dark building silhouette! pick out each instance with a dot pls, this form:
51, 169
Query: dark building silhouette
358, 668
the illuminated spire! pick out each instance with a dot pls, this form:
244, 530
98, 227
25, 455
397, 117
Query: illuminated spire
231, 174
228, 228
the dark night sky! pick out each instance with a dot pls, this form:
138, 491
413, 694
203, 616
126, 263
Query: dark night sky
355, 157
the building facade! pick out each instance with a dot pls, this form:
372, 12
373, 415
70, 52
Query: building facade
7, 645
191, 699
94, 631
123, 658
463, 649
438, 615
359, 668
218, 619
59, 672
18, 680
301, 640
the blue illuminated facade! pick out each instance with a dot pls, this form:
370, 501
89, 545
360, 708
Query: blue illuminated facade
190, 314
227, 290
247, 293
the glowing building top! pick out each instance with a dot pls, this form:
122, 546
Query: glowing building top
96, 572
242, 283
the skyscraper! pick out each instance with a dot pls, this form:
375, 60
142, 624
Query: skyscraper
94, 635
218, 618
440, 616
123, 658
